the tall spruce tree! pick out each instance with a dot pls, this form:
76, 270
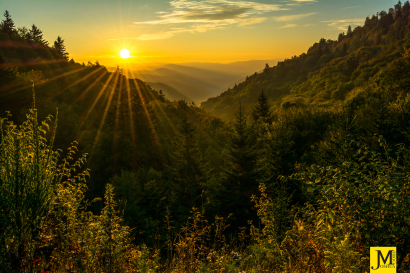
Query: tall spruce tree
7, 25
240, 179
262, 109
36, 35
60, 49
187, 172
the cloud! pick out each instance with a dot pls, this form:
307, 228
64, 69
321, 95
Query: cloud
201, 16
204, 15
289, 25
288, 18
344, 24
156, 36
251, 21
186, 11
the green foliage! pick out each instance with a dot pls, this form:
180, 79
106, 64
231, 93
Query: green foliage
45, 224
370, 191
330, 70
329, 140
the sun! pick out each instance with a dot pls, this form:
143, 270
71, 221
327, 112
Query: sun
125, 53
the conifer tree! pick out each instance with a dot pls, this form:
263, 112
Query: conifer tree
7, 25
36, 35
240, 172
188, 172
241, 153
59, 47
349, 30
262, 109
266, 69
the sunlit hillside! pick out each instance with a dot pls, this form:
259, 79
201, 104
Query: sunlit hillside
330, 71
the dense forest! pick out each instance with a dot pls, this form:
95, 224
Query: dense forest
300, 168
330, 70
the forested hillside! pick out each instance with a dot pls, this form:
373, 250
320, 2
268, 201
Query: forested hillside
308, 186
330, 70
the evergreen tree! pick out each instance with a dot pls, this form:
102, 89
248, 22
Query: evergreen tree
266, 69
341, 36
188, 172
36, 35
7, 25
240, 173
262, 109
24, 33
349, 30
59, 47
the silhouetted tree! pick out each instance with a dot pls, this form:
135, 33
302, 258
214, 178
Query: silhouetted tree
7, 25
349, 30
266, 68
341, 36
36, 35
59, 47
397, 10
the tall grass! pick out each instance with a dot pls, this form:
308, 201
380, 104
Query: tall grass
44, 222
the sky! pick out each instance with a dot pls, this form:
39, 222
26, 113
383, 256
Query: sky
180, 31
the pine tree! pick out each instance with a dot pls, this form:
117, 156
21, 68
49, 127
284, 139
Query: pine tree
262, 109
36, 35
240, 172
7, 25
188, 172
266, 68
349, 30
59, 47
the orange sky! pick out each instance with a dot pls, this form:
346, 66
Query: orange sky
189, 31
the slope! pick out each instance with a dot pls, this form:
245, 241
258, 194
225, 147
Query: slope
329, 70
169, 92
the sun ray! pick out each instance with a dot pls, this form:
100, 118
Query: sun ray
77, 82
130, 111
97, 138
145, 108
157, 104
83, 78
89, 87
131, 114
117, 119
95, 101
28, 85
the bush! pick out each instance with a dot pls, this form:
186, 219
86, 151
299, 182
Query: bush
44, 222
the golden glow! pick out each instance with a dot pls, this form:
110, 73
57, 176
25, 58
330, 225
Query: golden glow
125, 53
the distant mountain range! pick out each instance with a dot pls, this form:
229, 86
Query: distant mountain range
169, 92
195, 81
